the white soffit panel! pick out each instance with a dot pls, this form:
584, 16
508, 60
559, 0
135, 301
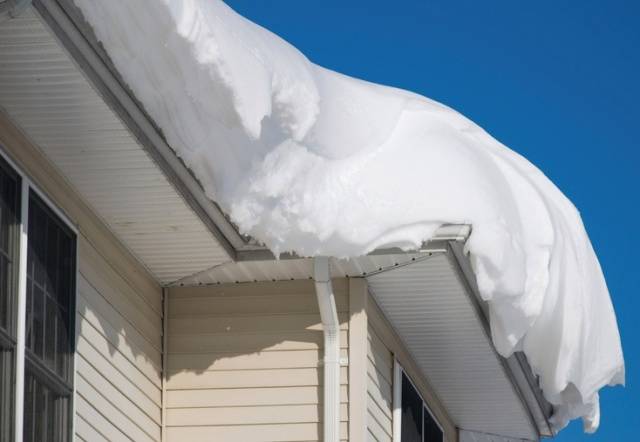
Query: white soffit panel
430, 309
43, 91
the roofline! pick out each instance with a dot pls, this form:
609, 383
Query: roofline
516, 366
68, 25
76, 36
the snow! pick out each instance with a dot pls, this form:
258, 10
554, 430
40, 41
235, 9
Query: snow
312, 161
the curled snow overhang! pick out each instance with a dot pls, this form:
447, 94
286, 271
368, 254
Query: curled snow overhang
66, 20
296, 160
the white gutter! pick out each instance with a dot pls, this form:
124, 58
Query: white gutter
331, 361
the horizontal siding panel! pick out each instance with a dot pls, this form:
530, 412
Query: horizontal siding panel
100, 423
249, 323
111, 357
243, 305
303, 377
376, 432
118, 417
247, 397
244, 362
253, 433
118, 398
85, 432
249, 361
107, 282
146, 396
379, 389
131, 343
104, 308
250, 342
380, 355
383, 420
383, 398
274, 414
103, 339
377, 379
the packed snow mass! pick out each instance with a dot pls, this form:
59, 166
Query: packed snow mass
308, 160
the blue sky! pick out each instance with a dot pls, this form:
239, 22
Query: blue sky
557, 81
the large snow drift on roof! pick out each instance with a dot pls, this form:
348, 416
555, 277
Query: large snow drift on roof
308, 160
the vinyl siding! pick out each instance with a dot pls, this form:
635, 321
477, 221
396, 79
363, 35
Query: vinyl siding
244, 362
118, 357
379, 389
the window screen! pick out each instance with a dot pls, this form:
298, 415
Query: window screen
417, 424
431, 430
411, 413
9, 248
49, 325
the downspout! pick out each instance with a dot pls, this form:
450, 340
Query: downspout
331, 361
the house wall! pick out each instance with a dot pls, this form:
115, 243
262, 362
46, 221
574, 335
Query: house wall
379, 389
119, 315
244, 362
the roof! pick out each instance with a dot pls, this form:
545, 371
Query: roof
62, 91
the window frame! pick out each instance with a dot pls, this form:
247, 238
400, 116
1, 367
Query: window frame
20, 359
8, 325
398, 373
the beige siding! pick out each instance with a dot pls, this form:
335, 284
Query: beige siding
379, 389
244, 362
118, 316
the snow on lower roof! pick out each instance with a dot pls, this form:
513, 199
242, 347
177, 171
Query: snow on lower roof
312, 161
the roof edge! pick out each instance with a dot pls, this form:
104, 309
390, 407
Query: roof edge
76, 36
516, 366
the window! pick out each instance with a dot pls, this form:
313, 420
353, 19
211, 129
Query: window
49, 318
37, 313
417, 424
9, 247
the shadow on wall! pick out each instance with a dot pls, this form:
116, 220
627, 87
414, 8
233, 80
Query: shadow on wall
247, 357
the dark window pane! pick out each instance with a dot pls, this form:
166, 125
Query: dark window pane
50, 341
432, 432
29, 411
9, 238
7, 382
37, 321
45, 412
50, 310
411, 430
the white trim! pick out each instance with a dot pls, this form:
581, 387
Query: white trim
165, 362
22, 309
397, 400
398, 371
76, 335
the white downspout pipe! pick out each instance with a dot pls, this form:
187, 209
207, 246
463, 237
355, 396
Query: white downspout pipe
331, 329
